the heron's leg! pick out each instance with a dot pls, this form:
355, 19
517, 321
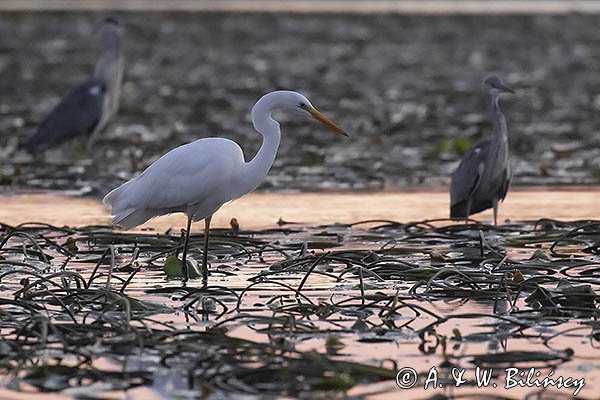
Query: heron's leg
205, 254
184, 266
495, 206
468, 211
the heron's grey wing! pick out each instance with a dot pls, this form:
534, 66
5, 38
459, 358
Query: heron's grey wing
77, 114
467, 176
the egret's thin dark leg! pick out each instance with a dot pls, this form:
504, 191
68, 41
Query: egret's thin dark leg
184, 266
205, 254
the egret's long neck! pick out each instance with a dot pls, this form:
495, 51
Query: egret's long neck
258, 168
109, 67
498, 120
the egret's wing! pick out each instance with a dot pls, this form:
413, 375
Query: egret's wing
77, 114
467, 176
189, 174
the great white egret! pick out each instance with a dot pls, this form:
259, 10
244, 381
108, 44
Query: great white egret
199, 177
482, 179
87, 107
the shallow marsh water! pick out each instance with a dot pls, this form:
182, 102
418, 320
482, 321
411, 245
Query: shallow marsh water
263, 210
381, 295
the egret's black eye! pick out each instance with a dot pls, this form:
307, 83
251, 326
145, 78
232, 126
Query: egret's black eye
302, 105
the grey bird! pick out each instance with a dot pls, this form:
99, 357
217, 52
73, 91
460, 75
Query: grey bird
87, 107
483, 176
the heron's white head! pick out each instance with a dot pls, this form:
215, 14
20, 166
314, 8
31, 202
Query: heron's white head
297, 103
495, 85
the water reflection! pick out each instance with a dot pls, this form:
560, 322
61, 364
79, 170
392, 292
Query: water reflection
421, 295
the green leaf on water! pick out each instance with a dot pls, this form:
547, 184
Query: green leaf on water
173, 267
341, 382
437, 258
71, 245
540, 254
511, 357
145, 306
333, 344
577, 295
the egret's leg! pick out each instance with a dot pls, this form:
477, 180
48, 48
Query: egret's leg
205, 254
184, 266
495, 206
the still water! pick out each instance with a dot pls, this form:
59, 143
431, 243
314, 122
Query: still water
475, 319
263, 210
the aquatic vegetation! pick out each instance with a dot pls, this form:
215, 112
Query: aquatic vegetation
414, 113
291, 311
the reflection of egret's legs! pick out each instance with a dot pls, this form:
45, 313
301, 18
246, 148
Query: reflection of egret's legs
481, 243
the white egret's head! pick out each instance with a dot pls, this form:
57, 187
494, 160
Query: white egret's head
495, 85
299, 104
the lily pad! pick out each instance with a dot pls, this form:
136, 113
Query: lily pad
174, 267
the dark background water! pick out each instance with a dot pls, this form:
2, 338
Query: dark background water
407, 89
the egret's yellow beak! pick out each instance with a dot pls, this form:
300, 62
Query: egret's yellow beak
322, 118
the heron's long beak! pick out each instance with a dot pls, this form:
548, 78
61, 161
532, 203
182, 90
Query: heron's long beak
506, 89
322, 118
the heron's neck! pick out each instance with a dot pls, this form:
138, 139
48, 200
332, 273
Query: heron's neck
109, 67
498, 120
258, 168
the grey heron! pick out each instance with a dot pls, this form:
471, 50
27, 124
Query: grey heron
88, 106
483, 176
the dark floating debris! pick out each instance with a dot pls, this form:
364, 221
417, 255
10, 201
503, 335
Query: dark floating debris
74, 298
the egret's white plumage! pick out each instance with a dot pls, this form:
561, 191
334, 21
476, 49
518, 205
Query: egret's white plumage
183, 180
199, 177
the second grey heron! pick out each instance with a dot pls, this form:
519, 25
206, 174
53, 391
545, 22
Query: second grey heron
483, 176
87, 107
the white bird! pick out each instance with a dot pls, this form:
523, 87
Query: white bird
199, 177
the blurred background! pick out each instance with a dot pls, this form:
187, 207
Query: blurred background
407, 87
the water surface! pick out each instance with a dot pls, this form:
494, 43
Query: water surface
264, 210
412, 269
